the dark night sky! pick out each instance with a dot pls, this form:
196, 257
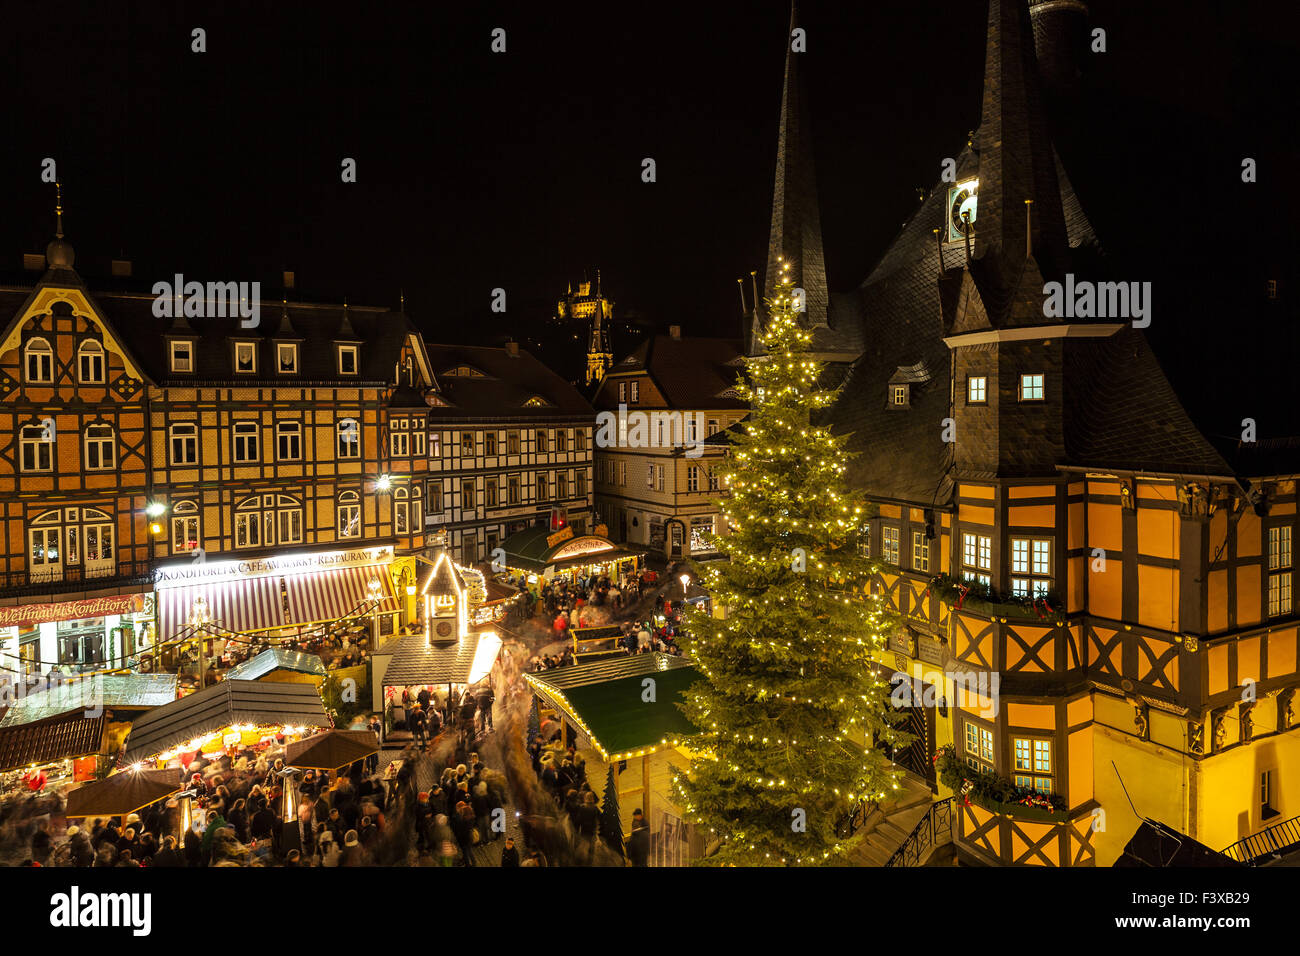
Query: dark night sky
522, 170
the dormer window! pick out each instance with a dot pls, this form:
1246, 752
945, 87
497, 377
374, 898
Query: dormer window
286, 358
898, 395
39, 361
245, 358
347, 356
182, 356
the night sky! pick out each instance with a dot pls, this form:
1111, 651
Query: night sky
522, 170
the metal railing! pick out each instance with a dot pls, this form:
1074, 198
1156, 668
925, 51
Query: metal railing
1277, 839
852, 821
45, 581
934, 829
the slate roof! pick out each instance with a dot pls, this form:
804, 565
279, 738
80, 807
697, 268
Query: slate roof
692, 373
274, 659
223, 705
54, 738
508, 382
109, 691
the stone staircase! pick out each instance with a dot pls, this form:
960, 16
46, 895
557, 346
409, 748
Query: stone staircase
890, 823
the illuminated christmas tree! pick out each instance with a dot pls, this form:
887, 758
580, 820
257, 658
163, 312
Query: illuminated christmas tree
790, 695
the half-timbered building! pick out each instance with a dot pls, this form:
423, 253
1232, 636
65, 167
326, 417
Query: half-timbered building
1095, 596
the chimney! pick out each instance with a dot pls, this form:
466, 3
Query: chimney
33, 262
675, 331
288, 280
512, 349
121, 267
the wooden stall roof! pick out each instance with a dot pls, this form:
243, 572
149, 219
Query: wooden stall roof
73, 734
274, 659
417, 662
223, 705
332, 749
122, 793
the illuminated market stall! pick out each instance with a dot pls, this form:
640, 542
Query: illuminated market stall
614, 718
279, 664
233, 713
537, 552
448, 658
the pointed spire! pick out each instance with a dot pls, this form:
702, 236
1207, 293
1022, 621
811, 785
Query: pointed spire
1016, 158
796, 217
285, 328
59, 253
346, 332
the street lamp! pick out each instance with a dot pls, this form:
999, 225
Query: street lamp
685, 579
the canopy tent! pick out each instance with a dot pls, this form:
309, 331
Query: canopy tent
129, 692
332, 749
606, 701
195, 720
122, 793
59, 737
539, 551
275, 601
277, 659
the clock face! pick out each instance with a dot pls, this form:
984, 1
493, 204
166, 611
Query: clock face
962, 208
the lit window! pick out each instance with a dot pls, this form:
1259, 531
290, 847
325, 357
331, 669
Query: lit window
401, 511
39, 361
979, 747
349, 515
90, 363
1033, 763
1031, 388
622, 392
1280, 571
289, 519
920, 551
101, 448
889, 540
185, 526
635, 393
977, 557
977, 389
899, 393
399, 438
418, 438
1031, 567
864, 541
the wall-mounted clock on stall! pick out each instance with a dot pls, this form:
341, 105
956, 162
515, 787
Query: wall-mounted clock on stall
962, 200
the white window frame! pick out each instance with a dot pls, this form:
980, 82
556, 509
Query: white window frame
348, 515
185, 527
920, 551
281, 349
891, 539
100, 450
245, 437
290, 433
186, 434
251, 348
347, 439
399, 440
1031, 567
1280, 558
977, 558
35, 446
349, 350
92, 352
978, 747
38, 355
1031, 763
174, 362
1033, 387
977, 390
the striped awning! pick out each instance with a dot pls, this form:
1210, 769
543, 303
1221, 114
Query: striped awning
337, 592
248, 604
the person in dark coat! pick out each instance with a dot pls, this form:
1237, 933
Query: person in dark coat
193, 848
168, 856
509, 855
638, 848
83, 854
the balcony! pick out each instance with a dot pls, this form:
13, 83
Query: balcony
42, 581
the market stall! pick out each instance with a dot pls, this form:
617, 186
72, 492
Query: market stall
233, 713
123, 793
536, 552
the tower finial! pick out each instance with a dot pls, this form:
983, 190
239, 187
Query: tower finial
58, 210
401, 294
